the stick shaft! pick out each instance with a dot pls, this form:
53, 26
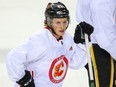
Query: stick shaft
89, 60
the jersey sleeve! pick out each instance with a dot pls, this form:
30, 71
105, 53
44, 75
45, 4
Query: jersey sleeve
78, 57
103, 15
76, 53
18, 57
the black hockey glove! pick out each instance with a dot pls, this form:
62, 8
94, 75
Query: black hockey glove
27, 80
80, 29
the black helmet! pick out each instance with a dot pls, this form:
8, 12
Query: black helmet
56, 10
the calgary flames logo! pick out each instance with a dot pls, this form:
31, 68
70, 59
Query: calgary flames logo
58, 69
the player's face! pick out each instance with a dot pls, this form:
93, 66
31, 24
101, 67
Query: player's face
59, 25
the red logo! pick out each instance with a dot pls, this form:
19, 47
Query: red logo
58, 69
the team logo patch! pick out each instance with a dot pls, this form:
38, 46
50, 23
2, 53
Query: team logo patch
58, 69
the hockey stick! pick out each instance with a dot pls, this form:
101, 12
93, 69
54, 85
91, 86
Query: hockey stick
92, 84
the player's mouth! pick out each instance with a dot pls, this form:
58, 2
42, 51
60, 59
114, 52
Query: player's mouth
61, 31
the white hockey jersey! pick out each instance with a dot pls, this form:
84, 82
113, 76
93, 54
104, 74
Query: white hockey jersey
46, 57
102, 15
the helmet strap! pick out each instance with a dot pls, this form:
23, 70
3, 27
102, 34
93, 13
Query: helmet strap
49, 23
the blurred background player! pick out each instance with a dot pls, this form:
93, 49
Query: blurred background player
101, 14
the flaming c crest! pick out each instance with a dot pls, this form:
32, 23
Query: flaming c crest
58, 71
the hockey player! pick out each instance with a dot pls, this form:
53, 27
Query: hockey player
43, 60
102, 15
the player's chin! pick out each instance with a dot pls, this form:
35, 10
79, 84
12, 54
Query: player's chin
61, 34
